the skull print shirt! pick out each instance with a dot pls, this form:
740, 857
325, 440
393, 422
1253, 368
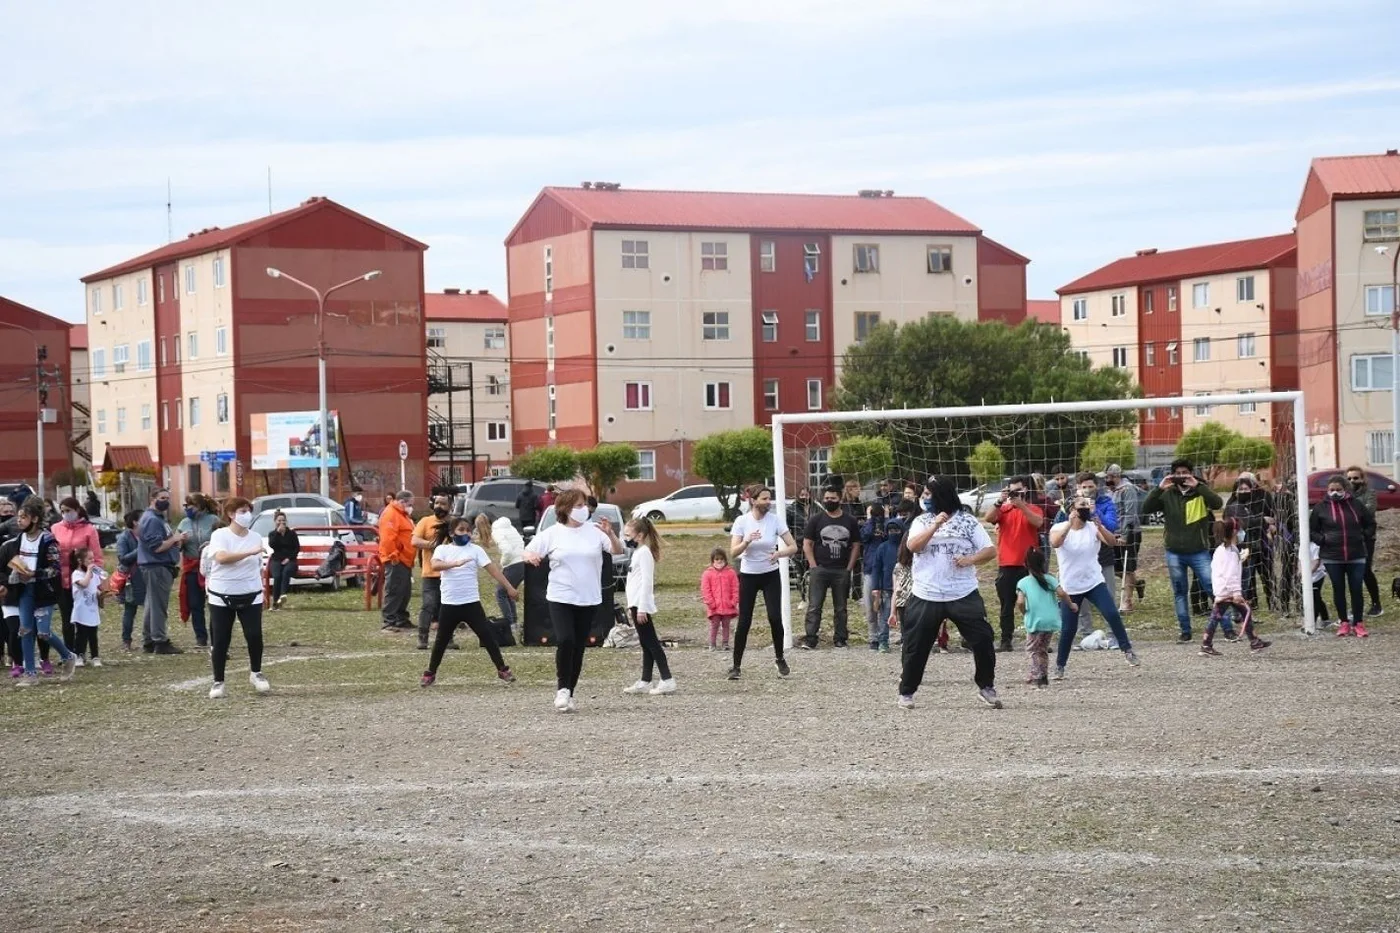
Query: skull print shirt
832, 538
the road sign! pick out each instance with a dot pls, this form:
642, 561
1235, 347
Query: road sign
403, 450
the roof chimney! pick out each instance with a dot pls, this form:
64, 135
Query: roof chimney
1392, 152
452, 291
587, 185
483, 292
1150, 251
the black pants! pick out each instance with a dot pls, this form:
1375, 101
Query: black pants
1007, 578
823, 580
653, 654
572, 625
429, 608
221, 635
1319, 602
473, 617
84, 641
1346, 589
398, 587
12, 640
750, 585
65, 612
1373, 586
969, 614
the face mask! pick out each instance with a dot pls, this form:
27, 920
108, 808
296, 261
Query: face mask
630, 542
926, 505
1358, 484
579, 514
440, 512
359, 498
1336, 494
189, 512
70, 517
1084, 514
244, 518
1244, 492
1239, 536
461, 540
832, 506
162, 505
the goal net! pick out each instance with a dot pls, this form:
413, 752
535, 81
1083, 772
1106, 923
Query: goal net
981, 447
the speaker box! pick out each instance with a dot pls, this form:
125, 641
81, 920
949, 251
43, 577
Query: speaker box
538, 630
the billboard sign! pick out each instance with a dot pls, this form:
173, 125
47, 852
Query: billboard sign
291, 440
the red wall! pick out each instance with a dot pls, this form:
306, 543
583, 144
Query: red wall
19, 400
169, 384
1160, 380
791, 360
1001, 283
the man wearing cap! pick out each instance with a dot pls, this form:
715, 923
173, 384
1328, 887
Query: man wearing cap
396, 553
1127, 500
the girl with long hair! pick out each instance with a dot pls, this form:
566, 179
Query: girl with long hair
1226, 582
457, 561
759, 539
33, 587
1038, 597
641, 605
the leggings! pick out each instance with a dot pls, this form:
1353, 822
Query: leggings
1346, 587
221, 629
12, 640
571, 627
85, 640
653, 655
1220, 615
451, 615
1373, 585
750, 585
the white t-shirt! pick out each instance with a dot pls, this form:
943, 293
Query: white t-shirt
758, 556
459, 585
85, 608
575, 562
937, 577
239, 578
1078, 559
29, 551
1315, 555
641, 581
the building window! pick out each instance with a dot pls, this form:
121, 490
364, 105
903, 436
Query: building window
497, 431
1173, 414
646, 466
221, 408
1080, 310
636, 325
638, 396
175, 348
767, 256
1381, 225
194, 412
1244, 346
437, 338
193, 340
1246, 408
549, 341
121, 420
1200, 295
814, 394
1200, 350
101, 421
141, 292
221, 342
189, 279
814, 326
1371, 373
143, 356
548, 270
1150, 414
145, 416
940, 259
1172, 357
1120, 306
120, 357
770, 395
1082, 354
714, 257
99, 363
811, 259
165, 416
714, 325
865, 323
160, 288
1149, 354
1202, 409
1380, 447
634, 254
494, 386
1380, 300
118, 301
1147, 302
867, 257
218, 272
96, 301
1244, 288
1120, 357
1171, 298
717, 396
495, 337
818, 466
770, 326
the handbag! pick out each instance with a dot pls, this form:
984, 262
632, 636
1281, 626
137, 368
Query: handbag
239, 601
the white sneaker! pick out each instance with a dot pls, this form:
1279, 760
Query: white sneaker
562, 699
78, 660
216, 692
96, 662
259, 682
572, 707
664, 687
641, 686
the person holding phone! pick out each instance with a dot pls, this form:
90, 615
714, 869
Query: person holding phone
1185, 504
1018, 525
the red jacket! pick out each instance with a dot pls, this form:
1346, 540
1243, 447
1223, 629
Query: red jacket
719, 590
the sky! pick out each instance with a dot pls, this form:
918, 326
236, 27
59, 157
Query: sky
1073, 132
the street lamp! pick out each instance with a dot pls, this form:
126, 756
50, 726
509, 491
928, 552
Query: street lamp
1394, 360
40, 354
321, 353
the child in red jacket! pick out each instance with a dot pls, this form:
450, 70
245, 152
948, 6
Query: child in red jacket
719, 590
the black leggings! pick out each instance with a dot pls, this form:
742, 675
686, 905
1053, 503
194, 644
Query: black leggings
471, 615
572, 624
652, 652
84, 641
750, 585
221, 634
1373, 586
12, 640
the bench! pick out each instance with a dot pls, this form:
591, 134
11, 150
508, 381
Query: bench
361, 560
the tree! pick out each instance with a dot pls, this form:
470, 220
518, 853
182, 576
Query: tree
1104, 448
862, 458
546, 464
1217, 450
732, 460
987, 463
941, 361
605, 464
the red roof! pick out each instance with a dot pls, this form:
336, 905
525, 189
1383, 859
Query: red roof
723, 210
455, 305
78, 337
123, 459
1046, 310
1214, 259
1359, 176
221, 238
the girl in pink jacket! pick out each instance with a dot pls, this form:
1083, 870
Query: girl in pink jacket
73, 532
719, 590
1226, 572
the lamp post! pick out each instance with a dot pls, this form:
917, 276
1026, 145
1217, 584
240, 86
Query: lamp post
1394, 360
41, 353
321, 353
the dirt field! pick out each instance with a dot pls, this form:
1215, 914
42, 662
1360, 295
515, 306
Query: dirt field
1239, 793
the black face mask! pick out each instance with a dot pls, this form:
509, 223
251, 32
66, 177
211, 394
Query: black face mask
1084, 514
440, 512
1358, 484
832, 506
1244, 492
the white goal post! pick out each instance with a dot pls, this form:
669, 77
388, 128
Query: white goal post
1300, 465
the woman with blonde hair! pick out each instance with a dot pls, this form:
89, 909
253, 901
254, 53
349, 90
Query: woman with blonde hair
503, 535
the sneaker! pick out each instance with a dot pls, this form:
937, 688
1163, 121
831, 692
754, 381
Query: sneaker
573, 706
1343, 630
78, 660
1359, 630
69, 666
884, 649
282, 601
1042, 682
1209, 651
428, 679
641, 686
664, 687
1005, 645
1231, 636
561, 700
126, 645
840, 644
806, 647
1131, 657
28, 680
874, 646
422, 645
733, 674
165, 647
216, 692
782, 666
1059, 674
259, 682
906, 701
149, 647
724, 647
1184, 638
506, 676
96, 662
989, 696
1259, 644
1141, 587
1375, 610
17, 671
46, 668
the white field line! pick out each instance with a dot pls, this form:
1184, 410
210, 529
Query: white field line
197, 682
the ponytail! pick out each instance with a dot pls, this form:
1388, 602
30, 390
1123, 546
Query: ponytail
1035, 563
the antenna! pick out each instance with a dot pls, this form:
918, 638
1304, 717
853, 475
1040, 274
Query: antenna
169, 214
269, 189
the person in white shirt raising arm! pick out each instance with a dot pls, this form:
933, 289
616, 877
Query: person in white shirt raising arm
232, 565
759, 539
1076, 543
456, 562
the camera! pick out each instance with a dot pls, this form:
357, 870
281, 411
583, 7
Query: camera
1015, 493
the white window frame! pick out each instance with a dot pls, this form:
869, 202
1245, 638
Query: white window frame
1202, 410
142, 292
548, 271
1200, 350
1246, 346
494, 386
1247, 408
98, 363
635, 254
767, 255
1120, 357
95, 301
179, 413
191, 278
145, 416
771, 399
221, 341
1151, 414
101, 421
1173, 414
1244, 289
1367, 362
145, 361
165, 416
714, 256
812, 325
1119, 305
1380, 300
818, 466
1380, 224
160, 289
1079, 309
1149, 354
118, 296
939, 260
121, 357
714, 325
175, 349
638, 327
493, 337
1200, 295
1148, 302
865, 258
121, 420
194, 411
812, 258
644, 396
713, 395
192, 344
1380, 448
497, 432
437, 338
219, 272
768, 327
1171, 298
814, 395
1173, 354
646, 466
221, 408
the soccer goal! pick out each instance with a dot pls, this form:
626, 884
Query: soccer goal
981, 446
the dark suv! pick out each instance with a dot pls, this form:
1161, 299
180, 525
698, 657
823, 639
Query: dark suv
495, 497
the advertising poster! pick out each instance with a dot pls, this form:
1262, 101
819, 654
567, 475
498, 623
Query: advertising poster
291, 440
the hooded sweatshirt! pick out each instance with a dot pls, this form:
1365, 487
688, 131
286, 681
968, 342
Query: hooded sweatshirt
1226, 572
887, 555
1186, 513
508, 541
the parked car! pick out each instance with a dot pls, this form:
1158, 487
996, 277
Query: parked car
297, 519
621, 562
687, 504
1385, 488
495, 497
978, 497
107, 530
297, 500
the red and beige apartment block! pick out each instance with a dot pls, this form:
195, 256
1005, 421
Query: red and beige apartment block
1348, 233
468, 385
23, 332
658, 317
1207, 320
188, 341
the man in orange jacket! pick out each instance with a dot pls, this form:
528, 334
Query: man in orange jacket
396, 553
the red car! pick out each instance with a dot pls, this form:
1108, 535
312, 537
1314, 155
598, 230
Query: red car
1387, 492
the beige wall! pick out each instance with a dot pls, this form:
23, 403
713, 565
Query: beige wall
676, 360
1357, 265
206, 375
1226, 371
113, 327
466, 341
1101, 332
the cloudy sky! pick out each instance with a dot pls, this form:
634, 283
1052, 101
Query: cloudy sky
1074, 132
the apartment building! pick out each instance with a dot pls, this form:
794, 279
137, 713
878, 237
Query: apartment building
23, 332
658, 317
468, 385
79, 397
190, 341
1348, 233
1044, 310
1203, 321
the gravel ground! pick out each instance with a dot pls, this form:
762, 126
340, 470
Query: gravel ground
1239, 793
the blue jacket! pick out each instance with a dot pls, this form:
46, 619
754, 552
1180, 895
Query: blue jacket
871, 537
886, 555
1103, 504
151, 532
354, 512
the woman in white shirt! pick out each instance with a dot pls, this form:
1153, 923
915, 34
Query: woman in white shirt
456, 563
511, 546
948, 543
575, 549
232, 564
641, 605
759, 539
1076, 543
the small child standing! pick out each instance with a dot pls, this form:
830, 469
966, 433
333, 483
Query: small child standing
1226, 571
1319, 574
1038, 596
87, 576
882, 583
719, 590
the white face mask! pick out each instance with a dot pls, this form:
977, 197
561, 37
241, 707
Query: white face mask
244, 519
579, 514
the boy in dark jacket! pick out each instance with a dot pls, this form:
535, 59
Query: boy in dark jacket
881, 576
